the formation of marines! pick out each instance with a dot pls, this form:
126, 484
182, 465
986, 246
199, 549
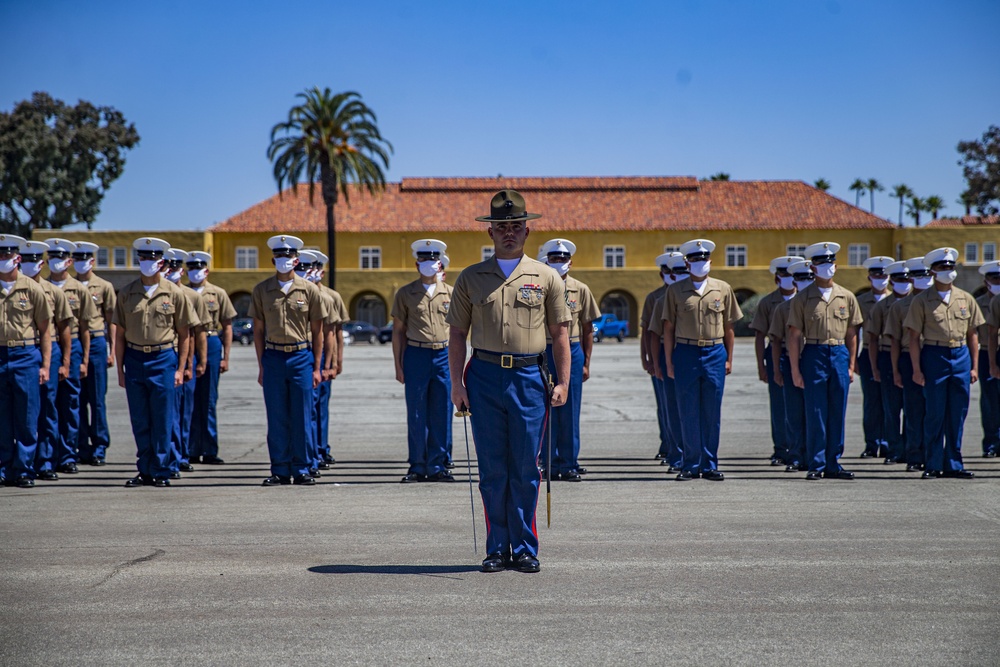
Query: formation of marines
916, 341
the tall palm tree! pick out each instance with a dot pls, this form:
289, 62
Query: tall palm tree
968, 200
934, 204
858, 186
822, 184
914, 208
901, 192
873, 186
331, 139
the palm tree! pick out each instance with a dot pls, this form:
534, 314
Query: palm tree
331, 139
902, 192
822, 184
934, 204
858, 186
721, 176
914, 208
873, 186
968, 200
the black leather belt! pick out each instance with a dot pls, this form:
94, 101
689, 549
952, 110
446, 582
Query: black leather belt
699, 342
825, 341
427, 346
509, 360
945, 343
283, 347
148, 349
97, 333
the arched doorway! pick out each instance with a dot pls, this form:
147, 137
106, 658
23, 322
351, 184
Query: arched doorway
369, 307
622, 305
241, 302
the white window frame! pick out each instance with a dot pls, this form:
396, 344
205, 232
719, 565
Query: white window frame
119, 252
671, 248
247, 258
486, 252
736, 255
370, 257
98, 262
858, 253
795, 250
134, 258
973, 256
614, 257
989, 252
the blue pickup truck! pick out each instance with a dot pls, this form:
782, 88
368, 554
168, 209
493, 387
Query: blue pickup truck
609, 326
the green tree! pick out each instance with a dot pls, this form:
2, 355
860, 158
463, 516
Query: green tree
981, 167
901, 192
57, 161
967, 200
822, 184
721, 176
915, 208
858, 187
333, 140
934, 204
873, 186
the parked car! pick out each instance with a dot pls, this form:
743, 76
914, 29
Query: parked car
243, 330
385, 334
609, 326
360, 332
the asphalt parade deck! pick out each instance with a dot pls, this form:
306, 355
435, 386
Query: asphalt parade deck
765, 568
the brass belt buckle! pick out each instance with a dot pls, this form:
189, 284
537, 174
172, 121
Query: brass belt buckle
703, 343
506, 361
147, 348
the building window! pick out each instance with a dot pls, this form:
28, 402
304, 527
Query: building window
120, 254
793, 250
614, 257
102, 258
135, 258
487, 252
857, 253
671, 248
736, 255
246, 257
371, 257
971, 253
989, 252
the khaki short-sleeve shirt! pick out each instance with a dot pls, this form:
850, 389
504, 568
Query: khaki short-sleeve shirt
102, 293
287, 317
218, 306
508, 315
582, 309
647, 306
778, 331
894, 322
942, 322
338, 311
423, 314
984, 329
875, 323
59, 305
198, 308
80, 302
821, 320
23, 310
765, 311
994, 314
656, 316
155, 319
700, 316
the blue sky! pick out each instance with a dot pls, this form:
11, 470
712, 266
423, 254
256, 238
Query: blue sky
776, 89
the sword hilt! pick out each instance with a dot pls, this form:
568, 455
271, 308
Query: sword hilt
463, 413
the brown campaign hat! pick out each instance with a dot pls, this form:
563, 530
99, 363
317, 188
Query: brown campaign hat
507, 205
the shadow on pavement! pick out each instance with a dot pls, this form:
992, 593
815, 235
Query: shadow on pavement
393, 569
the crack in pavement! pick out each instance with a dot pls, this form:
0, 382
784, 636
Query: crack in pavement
127, 564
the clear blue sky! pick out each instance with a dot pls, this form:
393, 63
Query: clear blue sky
761, 89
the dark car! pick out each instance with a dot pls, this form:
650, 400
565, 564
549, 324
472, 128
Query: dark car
385, 334
361, 331
243, 330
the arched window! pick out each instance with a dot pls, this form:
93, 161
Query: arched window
369, 307
622, 305
241, 302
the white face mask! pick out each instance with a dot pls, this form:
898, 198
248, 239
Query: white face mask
83, 265
58, 265
901, 289
701, 268
825, 271
786, 282
302, 272
923, 282
668, 278
561, 269
197, 276
428, 268
879, 284
315, 276
174, 276
149, 267
440, 275
946, 277
285, 264
31, 269
7, 265
802, 284
994, 289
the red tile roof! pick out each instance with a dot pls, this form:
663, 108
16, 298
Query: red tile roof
567, 204
966, 220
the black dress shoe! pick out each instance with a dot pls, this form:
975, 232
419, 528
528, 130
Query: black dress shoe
991, 454
443, 476
713, 476
160, 482
323, 465
329, 460
867, 454
411, 478
814, 475
97, 462
175, 475
48, 475
24, 482
194, 459
776, 461
68, 468
791, 467
526, 563
449, 465
960, 474
139, 480
186, 467
839, 474
304, 480
913, 467
686, 476
568, 476
315, 473
931, 474
659, 456
277, 480
889, 460
494, 563
581, 470
212, 460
